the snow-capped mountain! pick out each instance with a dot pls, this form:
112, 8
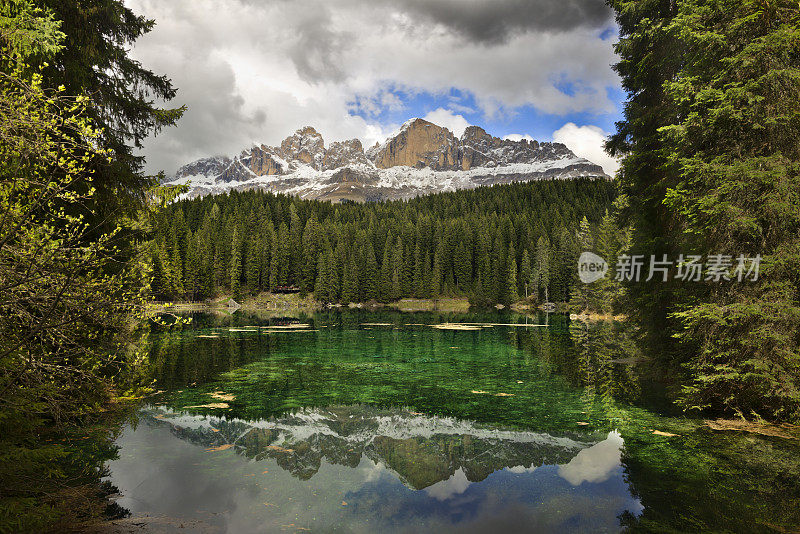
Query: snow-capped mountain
419, 158
421, 450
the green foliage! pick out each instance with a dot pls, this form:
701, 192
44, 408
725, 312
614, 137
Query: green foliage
465, 243
27, 30
64, 301
710, 138
69, 285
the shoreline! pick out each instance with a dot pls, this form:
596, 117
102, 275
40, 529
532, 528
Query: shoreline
294, 303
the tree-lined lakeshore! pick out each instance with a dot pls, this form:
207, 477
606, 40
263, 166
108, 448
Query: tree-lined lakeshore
87, 239
491, 245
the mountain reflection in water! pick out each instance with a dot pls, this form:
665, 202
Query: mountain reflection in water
365, 469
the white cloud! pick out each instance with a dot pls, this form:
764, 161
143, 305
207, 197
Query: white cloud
520, 469
445, 489
254, 71
444, 117
595, 464
587, 142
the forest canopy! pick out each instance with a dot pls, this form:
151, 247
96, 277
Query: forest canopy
487, 244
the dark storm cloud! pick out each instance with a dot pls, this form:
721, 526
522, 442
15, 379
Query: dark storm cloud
316, 52
489, 21
495, 21
255, 70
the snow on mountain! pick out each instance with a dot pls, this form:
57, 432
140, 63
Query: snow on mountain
420, 450
419, 158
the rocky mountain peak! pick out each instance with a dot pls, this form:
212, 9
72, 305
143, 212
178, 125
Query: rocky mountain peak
204, 166
305, 145
420, 157
344, 153
473, 134
418, 144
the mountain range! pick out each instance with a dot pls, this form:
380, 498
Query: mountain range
419, 158
419, 449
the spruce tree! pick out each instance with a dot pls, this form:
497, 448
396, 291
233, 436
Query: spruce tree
526, 274
332, 278
711, 165
322, 283
542, 268
235, 271
385, 290
350, 287
511, 294
310, 251
369, 280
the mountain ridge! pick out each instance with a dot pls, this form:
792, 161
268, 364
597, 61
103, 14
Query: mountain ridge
419, 158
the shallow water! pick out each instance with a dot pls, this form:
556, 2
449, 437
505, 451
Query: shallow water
379, 422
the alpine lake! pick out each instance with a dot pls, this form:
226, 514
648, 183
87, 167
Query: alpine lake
382, 422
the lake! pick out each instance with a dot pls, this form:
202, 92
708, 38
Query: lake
387, 422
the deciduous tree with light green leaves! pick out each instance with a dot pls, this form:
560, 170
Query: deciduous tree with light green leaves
68, 286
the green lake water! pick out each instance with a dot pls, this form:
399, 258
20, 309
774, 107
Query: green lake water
381, 422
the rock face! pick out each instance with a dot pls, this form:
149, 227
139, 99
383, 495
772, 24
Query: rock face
419, 158
306, 145
419, 144
343, 153
204, 167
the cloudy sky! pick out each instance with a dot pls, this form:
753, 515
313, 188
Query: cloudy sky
256, 70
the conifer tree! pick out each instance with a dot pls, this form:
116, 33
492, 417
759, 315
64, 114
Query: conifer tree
350, 287
511, 295
193, 270
332, 278
282, 257
235, 271
436, 277
711, 165
385, 290
322, 283
469, 245
254, 255
526, 274
541, 273
420, 290
158, 283
311, 247
369, 280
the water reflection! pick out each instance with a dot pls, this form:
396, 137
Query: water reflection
364, 469
507, 428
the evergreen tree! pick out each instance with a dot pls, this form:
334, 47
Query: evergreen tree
436, 277
193, 270
158, 283
511, 294
311, 247
453, 244
420, 290
254, 259
385, 290
350, 287
332, 277
369, 280
235, 271
711, 164
526, 274
322, 283
398, 270
282, 257
541, 273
